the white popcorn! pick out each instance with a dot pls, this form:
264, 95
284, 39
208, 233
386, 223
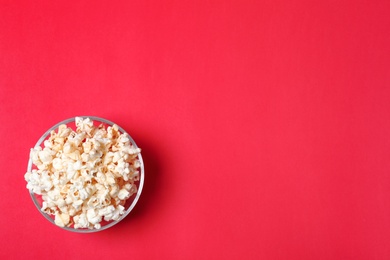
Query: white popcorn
86, 175
61, 219
81, 221
114, 190
45, 156
57, 164
53, 195
60, 202
93, 217
75, 156
116, 157
118, 212
107, 212
64, 131
137, 164
69, 200
123, 194
87, 146
85, 157
84, 194
68, 148
110, 179
108, 158
85, 125
34, 154
58, 220
97, 226
77, 165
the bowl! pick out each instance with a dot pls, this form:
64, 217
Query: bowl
130, 202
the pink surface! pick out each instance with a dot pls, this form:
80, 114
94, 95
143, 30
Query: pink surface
264, 124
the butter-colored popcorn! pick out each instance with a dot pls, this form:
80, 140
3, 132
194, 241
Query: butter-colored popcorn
86, 175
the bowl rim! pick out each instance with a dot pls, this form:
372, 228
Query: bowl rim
140, 185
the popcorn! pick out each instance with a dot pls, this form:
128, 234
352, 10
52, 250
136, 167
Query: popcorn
93, 217
45, 156
123, 194
84, 175
61, 219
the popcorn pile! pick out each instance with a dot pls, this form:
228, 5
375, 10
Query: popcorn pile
84, 176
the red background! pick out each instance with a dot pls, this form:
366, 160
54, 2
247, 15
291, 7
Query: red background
264, 124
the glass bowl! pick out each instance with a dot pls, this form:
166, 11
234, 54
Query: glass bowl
130, 202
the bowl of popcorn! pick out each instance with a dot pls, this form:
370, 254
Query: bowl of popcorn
85, 174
